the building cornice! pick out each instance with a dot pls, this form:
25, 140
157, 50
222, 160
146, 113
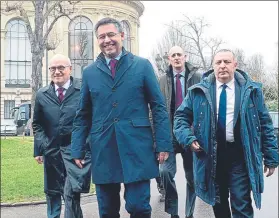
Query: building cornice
136, 5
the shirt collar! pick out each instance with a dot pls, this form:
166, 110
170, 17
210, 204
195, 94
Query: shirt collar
65, 86
230, 84
117, 58
182, 73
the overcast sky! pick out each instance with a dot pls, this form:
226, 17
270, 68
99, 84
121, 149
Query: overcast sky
250, 25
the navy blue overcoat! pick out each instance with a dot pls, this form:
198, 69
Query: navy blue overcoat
115, 112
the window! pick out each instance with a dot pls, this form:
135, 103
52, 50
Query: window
8, 105
127, 35
80, 44
17, 55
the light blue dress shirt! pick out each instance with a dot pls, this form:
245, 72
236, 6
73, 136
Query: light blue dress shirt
117, 58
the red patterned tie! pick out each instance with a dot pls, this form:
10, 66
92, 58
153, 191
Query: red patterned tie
112, 64
60, 94
178, 94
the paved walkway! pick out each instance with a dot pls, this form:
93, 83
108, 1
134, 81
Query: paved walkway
202, 210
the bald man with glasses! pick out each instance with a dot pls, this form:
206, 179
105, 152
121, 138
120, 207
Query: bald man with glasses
54, 112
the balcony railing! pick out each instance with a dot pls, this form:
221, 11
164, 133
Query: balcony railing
17, 83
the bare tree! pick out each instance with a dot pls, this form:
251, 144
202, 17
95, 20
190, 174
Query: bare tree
38, 35
256, 67
83, 54
190, 35
241, 59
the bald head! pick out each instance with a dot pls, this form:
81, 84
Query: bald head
60, 69
177, 58
60, 57
176, 49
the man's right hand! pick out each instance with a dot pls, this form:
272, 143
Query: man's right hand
195, 147
39, 159
79, 162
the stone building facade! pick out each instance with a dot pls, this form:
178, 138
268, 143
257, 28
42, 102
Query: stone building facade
75, 38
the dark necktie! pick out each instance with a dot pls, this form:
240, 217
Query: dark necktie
112, 64
60, 94
221, 125
178, 94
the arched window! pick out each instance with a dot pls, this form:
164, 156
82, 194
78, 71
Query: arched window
127, 35
81, 44
17, 55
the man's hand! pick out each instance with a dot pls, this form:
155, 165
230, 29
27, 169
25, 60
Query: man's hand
162, 156
269, 170
79, 162
39, 159
195, 147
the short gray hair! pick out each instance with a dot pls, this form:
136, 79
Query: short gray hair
108, 20
225, 50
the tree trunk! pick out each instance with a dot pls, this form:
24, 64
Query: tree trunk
37, 82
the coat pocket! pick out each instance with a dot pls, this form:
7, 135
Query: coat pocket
141, 122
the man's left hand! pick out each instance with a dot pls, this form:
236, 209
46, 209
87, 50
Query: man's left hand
79, 162
269, 170
162, 156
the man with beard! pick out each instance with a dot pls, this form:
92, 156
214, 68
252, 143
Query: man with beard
174, 84
54, 112
232, 134
117, 91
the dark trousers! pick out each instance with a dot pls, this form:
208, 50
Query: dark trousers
167, 174
64, 179
54, 203
232, 181
136, 195
72, 203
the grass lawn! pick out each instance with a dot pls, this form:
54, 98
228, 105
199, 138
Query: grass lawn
21, 176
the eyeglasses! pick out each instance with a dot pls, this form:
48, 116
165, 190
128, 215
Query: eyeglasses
110, 35
60, 68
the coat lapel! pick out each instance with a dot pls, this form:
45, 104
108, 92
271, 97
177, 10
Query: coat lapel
104, 68
212, 91
237, 102
69, 91
50, 91
123, 65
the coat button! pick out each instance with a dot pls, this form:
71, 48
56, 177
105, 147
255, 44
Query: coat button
113, 89
114, 104
116, 120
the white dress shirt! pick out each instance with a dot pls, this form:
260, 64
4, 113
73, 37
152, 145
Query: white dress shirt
182, 80
230, 90
65, 86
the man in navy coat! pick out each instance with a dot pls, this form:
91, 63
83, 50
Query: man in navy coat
117, 91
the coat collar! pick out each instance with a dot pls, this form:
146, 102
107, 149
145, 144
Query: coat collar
188, 67
244, 81
76, 85
123, 65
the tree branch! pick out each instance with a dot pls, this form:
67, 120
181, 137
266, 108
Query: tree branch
50, 9
51, 26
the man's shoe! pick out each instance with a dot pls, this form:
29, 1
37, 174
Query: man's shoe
174, 216
189, 216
